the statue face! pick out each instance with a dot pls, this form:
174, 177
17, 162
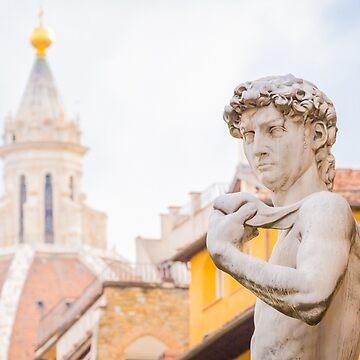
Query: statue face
278, 149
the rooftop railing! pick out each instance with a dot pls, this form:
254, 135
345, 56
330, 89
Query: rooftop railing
173, 272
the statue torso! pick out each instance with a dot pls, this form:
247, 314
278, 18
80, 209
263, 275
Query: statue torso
336, 337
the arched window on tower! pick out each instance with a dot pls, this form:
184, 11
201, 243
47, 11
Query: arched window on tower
22, 200
71, 187
49, 226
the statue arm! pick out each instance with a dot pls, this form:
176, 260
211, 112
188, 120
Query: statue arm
306, 291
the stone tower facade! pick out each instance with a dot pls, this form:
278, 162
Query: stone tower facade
42, 156
52, 244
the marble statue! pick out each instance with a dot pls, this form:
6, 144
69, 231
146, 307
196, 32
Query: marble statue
308, 293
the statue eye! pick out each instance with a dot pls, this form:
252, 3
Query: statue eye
249, 137
277, 131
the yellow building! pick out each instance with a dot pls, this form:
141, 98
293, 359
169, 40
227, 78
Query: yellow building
221, 310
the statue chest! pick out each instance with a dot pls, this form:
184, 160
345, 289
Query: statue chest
286, 248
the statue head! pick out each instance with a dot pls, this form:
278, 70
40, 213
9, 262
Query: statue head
296, 100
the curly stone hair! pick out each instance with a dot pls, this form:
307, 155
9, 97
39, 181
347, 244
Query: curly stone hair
294, 98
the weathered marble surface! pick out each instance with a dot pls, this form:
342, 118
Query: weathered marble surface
309, 292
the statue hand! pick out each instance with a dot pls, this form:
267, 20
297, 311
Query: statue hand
225, 228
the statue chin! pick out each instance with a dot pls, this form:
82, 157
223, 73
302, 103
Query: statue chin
269, 180
276, 180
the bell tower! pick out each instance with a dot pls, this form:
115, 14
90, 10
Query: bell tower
42, 154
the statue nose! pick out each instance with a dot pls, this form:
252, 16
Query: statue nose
260, 145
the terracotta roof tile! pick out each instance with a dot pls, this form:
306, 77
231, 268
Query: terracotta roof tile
50, 279
347, 184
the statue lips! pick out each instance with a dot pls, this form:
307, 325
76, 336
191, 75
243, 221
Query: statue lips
264, 166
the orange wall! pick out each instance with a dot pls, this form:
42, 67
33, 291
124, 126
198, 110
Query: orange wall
357, 215
244, 356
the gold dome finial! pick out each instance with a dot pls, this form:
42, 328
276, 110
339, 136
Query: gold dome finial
41, 37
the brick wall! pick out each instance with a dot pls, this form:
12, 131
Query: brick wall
135, 311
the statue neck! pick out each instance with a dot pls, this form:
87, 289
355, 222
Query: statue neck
309, 182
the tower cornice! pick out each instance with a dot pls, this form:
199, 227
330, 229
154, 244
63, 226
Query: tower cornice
41, 146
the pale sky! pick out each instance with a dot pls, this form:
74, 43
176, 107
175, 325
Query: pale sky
150, 80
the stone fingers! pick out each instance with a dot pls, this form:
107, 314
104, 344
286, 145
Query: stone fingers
245, 213
230, 203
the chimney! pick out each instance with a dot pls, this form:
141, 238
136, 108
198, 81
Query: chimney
195, 200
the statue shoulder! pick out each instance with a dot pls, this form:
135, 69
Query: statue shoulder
326, 199
328, 208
